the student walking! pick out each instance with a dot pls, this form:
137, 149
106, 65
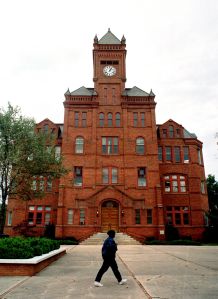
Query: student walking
109, 249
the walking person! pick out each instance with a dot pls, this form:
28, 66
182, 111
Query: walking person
109, 249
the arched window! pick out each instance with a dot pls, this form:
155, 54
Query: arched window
171, 131
79, 145
110, 120
140, 145
101, 119
117, 119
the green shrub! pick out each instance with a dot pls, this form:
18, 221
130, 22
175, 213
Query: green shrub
68, 241
22, 248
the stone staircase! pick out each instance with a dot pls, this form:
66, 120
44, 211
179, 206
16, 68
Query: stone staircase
120, 239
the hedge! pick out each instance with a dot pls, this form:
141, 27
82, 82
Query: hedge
24, 248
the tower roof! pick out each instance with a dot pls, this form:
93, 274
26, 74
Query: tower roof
82, 91
135, 92
109, 38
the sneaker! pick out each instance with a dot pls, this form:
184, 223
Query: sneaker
98, 284
123, 281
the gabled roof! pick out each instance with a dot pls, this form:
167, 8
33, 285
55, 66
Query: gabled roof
109, 38
82, 91
114, 188
46, 120
186, 133
135, 92
169, 122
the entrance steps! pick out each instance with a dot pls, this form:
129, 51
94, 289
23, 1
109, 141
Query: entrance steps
120, 239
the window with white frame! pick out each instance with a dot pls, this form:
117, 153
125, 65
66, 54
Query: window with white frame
175, 183
140, 145
109, 145
141, 177
78, 176
79, 145
9, 217
70, 216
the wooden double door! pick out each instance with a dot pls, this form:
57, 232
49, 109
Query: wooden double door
110, 216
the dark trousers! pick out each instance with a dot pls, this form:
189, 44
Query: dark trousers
106, 264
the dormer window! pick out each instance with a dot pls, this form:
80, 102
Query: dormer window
45, 129
164, 133
171, 131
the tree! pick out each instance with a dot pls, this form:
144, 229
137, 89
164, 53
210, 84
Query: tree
23, 155
212, 190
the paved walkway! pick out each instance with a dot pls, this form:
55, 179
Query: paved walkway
176, 272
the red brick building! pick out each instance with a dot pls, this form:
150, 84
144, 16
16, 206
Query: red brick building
127, 172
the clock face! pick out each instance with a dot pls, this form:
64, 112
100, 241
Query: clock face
109, 70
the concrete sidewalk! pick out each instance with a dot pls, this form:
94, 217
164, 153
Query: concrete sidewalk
177, 272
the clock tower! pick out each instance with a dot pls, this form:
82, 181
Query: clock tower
109, 67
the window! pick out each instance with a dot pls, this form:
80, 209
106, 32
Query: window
82, 217
110, 119
141, 176
10, 218
41, 183
186, 154
57, 152
164, 133
84, 119
168, 153
70, 216
140, 146
49, 184
175, 183
31, 218
199, 156
109, 175
135, 119
137, 216
171, 131
105, 175
149, 216
76, 119
177, 132
177, 154
117, 119
160, 153
45, 129
109, 61
78, 180
39, 215
34, 184
109, 145
177, 215
47, 215
101, 119
142, 115
114, 176
79, 145
202, 187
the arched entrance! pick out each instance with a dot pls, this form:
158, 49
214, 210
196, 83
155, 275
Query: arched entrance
109, 216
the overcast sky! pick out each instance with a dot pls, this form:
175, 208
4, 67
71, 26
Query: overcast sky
172, 47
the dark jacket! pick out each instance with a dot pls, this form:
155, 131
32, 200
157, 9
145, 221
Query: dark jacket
109, 248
